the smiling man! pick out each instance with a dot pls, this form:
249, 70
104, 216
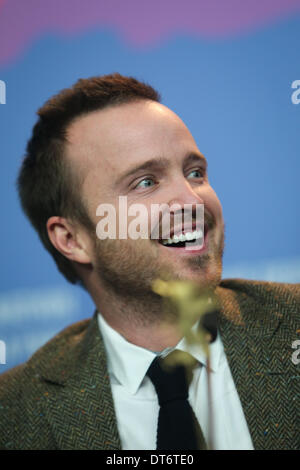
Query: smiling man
92, 386
160, 164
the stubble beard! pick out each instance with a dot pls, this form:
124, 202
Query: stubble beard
126, 270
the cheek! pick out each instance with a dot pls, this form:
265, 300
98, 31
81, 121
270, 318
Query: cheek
133, 221
214, 205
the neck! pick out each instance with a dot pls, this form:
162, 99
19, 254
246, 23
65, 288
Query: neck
139, 319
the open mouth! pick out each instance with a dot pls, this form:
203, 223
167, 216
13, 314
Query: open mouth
193, 239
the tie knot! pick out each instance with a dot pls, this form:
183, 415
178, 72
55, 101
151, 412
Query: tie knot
171, 376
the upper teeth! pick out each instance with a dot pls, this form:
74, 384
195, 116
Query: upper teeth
183, 237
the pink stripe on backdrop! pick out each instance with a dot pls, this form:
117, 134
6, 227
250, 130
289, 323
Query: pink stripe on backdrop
141, 22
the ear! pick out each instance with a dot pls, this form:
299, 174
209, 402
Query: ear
70, 240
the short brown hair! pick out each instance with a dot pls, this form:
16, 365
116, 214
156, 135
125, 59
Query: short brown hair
46, 184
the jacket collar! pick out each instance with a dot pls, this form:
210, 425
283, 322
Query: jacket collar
79, 404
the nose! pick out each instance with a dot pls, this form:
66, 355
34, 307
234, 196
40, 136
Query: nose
183, 193
185, 206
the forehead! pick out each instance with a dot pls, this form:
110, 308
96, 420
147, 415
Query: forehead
117, 137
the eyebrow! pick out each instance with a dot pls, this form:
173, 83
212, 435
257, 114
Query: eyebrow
161, 164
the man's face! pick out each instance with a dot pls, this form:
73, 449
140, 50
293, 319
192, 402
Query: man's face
143, 151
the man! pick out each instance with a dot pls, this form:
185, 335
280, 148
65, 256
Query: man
88, 388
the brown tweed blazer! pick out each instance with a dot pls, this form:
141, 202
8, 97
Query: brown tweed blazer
61, 398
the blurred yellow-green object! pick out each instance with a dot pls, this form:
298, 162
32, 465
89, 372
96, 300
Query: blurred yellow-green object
190, 303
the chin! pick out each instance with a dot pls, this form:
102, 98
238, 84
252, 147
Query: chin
209, 276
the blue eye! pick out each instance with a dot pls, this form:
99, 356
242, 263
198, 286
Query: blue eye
199, 175
139, 185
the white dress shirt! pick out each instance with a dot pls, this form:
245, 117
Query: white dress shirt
136, 402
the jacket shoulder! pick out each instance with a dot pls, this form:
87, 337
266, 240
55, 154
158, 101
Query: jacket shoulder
262, 289
261, 301
22, 389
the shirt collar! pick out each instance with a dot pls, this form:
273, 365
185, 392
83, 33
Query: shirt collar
129, 363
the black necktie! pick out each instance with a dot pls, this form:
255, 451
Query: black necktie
178, 427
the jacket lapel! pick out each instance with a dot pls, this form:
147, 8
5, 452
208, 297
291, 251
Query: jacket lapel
259, 355
79, 404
